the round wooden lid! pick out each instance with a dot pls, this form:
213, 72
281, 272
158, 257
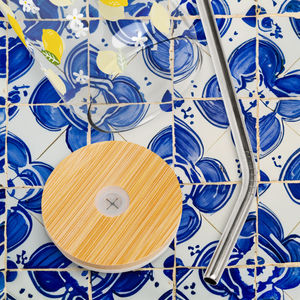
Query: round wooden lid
104, 242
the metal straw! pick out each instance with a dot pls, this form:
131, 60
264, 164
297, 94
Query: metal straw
241, 209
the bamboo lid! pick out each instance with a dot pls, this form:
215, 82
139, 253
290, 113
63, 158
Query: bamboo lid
112, 206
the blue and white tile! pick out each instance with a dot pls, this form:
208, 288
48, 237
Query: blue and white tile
279, 144
278, 62
278, 6
24, 147
239, 43
154, 129
2, 230
206, 210
148, 285
278, 215
235, 283
47, 285
206, 124
278, 283
28, 245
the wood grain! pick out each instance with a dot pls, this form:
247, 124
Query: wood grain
83, 233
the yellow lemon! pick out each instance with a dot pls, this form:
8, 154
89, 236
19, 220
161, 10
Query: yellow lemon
53, 42
160, 17
111, 13
15, 25
107, 62
115, 3
62, 2
55, 80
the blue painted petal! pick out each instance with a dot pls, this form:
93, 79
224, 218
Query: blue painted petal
76, 138
289, 84
291, 171
213, 111
211, 198
268, 223
289, 110
19, 225
20, 60
162, 143
187, 143
271, 133
47, 256
130, 283
167, 97
212, 169
190, 223
242, 64
18, 152
97, 136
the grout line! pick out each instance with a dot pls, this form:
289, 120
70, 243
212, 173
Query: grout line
257, 148
211, 224
90, 294
6, 160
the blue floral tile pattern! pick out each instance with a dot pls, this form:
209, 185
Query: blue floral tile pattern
160, 92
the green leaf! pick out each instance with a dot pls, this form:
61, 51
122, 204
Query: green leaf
121, 60
51, 57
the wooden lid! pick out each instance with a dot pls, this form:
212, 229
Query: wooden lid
123, 242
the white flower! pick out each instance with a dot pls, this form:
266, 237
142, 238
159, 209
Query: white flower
139, 40
26, 4
74, 18
81, 77
34, 9
80, 30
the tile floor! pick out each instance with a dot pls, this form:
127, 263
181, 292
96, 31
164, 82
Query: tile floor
190, 132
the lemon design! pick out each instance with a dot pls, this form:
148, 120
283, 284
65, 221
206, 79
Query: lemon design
160, 17
54, 46
57, 83
15, 25
115, 3
62, 2
107, 62
111, 13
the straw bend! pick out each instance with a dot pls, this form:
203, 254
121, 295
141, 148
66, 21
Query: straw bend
240, 212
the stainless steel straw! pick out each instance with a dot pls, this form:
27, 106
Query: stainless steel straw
241, 209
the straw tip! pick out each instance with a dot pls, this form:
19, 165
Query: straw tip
210, 280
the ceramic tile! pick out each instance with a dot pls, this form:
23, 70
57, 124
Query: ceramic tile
206, 124
278, 6
276, 37
148, 285
3, 159
28, 245
279, 144
278, 216
47, 285
203, 221
239, 43
236, 283
280, 283
2, 229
